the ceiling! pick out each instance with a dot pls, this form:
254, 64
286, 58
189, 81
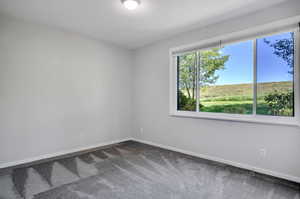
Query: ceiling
109, 21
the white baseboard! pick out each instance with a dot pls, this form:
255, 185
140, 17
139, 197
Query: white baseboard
228, 162
216, 159
57, 154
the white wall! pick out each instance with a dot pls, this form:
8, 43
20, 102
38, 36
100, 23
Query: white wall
59, 91
232, 141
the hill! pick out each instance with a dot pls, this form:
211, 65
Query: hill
242, 91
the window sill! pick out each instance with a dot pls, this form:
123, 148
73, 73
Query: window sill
274, 120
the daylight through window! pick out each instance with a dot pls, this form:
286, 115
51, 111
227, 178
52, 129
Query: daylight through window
254, 77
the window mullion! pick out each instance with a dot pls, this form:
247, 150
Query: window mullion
296, 74
254, 77
177, 61
197, 81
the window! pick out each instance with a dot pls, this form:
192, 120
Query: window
275, 75
252, 80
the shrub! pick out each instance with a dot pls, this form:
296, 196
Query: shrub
185, 103
280, 103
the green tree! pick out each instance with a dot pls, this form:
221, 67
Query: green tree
187, 74
210, 61
284, 48
280, 103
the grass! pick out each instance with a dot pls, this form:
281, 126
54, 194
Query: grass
239, 107
242, 91
237, 98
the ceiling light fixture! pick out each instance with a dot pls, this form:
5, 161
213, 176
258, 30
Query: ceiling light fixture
130, 4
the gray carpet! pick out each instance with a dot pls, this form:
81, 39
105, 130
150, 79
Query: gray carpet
136, 171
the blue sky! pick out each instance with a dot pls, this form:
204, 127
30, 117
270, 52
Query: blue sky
239, 67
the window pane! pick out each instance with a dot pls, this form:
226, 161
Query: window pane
275, 75
226, 79
186, 88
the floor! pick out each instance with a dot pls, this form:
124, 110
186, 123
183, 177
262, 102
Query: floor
133, 170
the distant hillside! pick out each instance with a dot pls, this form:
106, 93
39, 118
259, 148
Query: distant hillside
244, 91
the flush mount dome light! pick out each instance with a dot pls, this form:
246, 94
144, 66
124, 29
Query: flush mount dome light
130, 4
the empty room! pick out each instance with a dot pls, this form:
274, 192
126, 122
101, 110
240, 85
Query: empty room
149, 99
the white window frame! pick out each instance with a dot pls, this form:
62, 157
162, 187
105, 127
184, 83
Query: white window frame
226, 40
